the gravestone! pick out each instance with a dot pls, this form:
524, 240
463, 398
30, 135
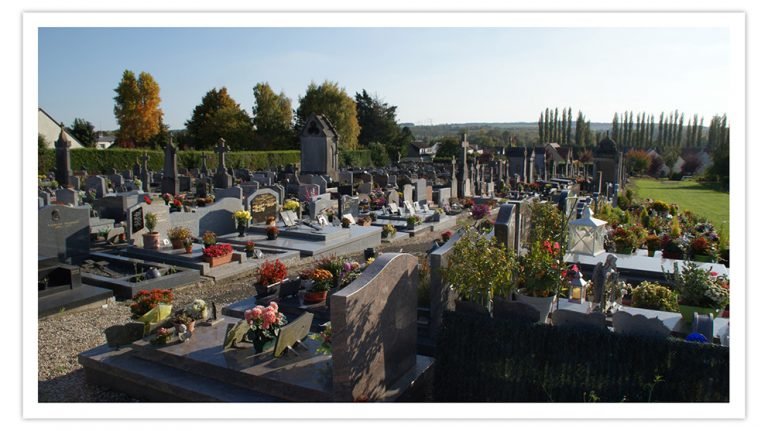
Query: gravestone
318, 207
365, 188
117, 181
307, 192
280, 190
144, 174
374, 329
222, 179
169, 183
320, 182
349, 205
185, 184
345, 178
63, 162
429, 195
420, 190
45, 198
262, 204
441, 196
115, 206
319, 147
346, 190
381, 180
408, 193
393, 197
127, 175
74, 182
66, 197
231, 192
505, 229
63, 233
98, 184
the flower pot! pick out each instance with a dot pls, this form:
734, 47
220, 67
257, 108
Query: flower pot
672, 255
177, 243
271, 236
703, 258
623, 249
191, 327
688, 310
262, 291
241, 229
544, 304
216, 261
315, 297
188, 249
261, 345
651, 253
151, 240
249, 253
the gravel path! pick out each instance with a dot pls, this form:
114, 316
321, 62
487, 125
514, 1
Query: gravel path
63, 336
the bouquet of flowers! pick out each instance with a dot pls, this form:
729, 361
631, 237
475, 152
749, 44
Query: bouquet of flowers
242, 217
264, 322
145, 300
217, 250
272, 272
322, 279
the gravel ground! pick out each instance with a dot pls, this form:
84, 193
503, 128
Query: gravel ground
63, 336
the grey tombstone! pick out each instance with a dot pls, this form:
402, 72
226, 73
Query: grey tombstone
222, 179
319, 146
115, 207
441, 196
74, 182
66, 197
407, 193
381, 180
504, 229
365, 188
421, 191
40, 202
349, 205
280, 190
318, 206
45, 197
98, 184
249, 187
127, 174
345, 178
185, 184
144, 174
63, 233
231, 192
346, 190
117, 181
169, 183
320, 182
307, 192
374, 329
63, 162
262, 204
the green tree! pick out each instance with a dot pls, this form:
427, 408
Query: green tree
332, 101
400, 147
137, 109
568, 129
449, 147
379, 155
377, 120
273, 117
541, 128
219, 116
83, 131
615, 127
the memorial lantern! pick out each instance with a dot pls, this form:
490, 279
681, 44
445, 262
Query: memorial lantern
586, 234
577, 287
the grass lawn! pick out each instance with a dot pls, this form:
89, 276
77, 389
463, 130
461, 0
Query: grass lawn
688, 195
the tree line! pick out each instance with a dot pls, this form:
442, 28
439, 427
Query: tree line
364, 121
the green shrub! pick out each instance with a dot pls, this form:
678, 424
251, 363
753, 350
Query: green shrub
654, 297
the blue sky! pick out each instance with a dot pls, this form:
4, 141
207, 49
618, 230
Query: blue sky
433, 75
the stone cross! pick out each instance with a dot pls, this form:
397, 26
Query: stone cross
170, 182
145, 172
453, 167
221, 149
203, 167
63, 164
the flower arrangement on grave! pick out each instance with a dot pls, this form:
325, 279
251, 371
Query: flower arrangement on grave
322, 279
217, 250
624, 239
250, 246
413, 220
162, 335
330, 214
291, 205
703, 250
177, 235
345, 222
653, 242
167, 198
378, 202
264, 325
654, 296
147, 200
271, 272
467, 203
364, 221
177, 204
271, 220
673, 248
209, 238
145, 300
542, 274
699, 287
445, 236
242, 217
187, 243
325, 338
480, 211
198, 310
272, 232
388, 230
479, 268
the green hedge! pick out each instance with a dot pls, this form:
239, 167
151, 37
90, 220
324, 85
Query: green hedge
98, 161
482, 359
355, 158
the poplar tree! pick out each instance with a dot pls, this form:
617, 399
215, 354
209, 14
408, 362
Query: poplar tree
137, 109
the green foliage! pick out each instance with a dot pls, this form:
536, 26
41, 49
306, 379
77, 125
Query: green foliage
219, 116
479, 268
449, 147
377, 120
332, 101
137, 109
697, 287
83, 131
273, 117
356, 158
547, 223
544, 363
46, 158
378, 154
654, 297
541, 269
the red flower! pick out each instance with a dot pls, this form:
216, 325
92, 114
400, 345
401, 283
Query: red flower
147, 199
218, 250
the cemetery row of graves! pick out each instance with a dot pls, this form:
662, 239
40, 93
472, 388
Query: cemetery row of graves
540, 289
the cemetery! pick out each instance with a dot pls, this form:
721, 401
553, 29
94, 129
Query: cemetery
531, 267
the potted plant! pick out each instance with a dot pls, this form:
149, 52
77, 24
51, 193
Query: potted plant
271, 220
167, 198
151, 238
364, 221
654, 296
209, 239
445, 236
672, 248
653, 242
197, 310
703, 250
264, 325
700, 290
242, 217
270, 274
388, 231
479, 269
177, 235
250, 246
218, 254
183, 323
175, 205
624, 240
345, 223
272, 232
187, 243
145, 300
321, 284
541, 277
305, 277
291, 205
412, 221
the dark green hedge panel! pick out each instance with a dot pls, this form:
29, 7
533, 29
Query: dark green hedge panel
482, 359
